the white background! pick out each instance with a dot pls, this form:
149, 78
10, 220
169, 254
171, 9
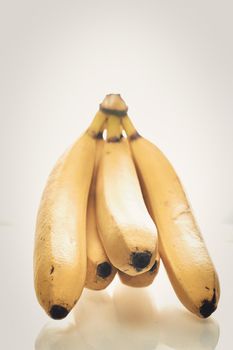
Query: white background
172, 63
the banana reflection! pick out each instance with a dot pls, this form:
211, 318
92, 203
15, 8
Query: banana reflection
180, 330
127, 320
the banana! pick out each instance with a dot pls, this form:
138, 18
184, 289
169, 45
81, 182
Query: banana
181, 245
60, 239
127, 232
142, 280
100, 271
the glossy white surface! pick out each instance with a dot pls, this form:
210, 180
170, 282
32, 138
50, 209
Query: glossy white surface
172, 63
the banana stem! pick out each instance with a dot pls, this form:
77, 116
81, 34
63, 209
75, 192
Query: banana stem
114, 129
129, 128
101, 132
113, 104
96, 127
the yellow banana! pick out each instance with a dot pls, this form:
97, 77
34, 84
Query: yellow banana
100, 271
128, 234
60, 240
181, 245
142, 280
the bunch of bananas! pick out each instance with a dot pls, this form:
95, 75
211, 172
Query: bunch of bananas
117, 205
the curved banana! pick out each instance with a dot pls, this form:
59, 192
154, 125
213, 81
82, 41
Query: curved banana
142, 280
181, 245
60, 240
100, 271
128, 233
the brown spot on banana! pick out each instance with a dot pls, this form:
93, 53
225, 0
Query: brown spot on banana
208, 306
113, 112
154, 267
114, 139
134, 136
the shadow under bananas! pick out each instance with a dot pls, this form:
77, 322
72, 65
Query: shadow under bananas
127, 320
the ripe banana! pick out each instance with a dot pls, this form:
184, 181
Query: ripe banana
142, 280
60, 241
181, 245
100, 271
128, 234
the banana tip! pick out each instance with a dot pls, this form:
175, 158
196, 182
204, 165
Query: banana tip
140, 260
58, 312
104, 269
208, 306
